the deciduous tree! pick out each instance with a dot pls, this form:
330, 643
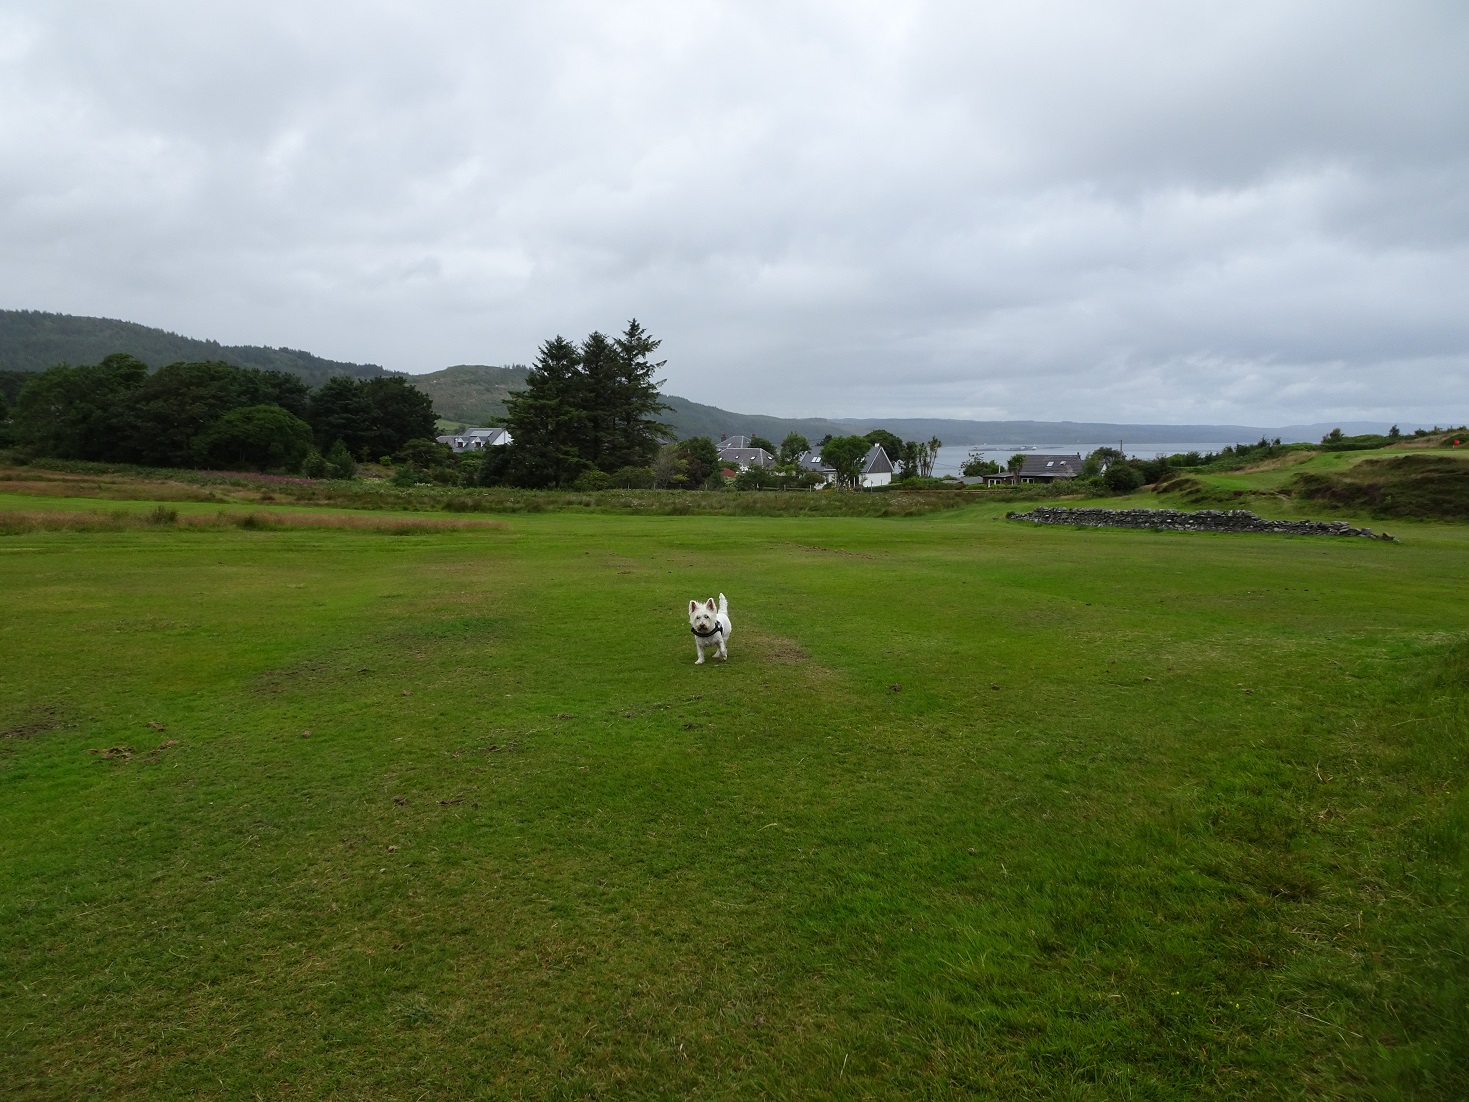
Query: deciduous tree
72, 412
793, 447
889, 441
260, 437
844, 454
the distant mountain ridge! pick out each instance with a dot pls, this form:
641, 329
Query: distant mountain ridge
1094, 432
33, 340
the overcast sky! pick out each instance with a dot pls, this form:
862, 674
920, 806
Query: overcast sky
1250, 212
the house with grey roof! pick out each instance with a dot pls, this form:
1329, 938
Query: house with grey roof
810, 463
1036, 469
473, 440
745, 458
877, 468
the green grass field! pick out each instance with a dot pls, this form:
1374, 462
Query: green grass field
976, 809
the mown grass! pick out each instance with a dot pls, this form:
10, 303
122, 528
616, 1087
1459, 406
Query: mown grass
976, 809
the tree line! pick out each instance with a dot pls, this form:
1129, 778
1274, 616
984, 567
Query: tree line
216, 415
588, 419
588, 412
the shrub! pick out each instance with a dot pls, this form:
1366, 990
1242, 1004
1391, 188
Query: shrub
590, 481
1122, 478
633, 478
756, 478
339, 462
262, 437
314, 465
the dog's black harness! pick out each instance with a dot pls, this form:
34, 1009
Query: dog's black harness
706, 634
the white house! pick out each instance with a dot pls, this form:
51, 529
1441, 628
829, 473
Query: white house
810, 463
877, 468
473, 440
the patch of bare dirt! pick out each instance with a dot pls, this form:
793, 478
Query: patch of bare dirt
835, 551
777, 650
39, 721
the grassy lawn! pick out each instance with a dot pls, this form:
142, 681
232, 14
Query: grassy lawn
976, 809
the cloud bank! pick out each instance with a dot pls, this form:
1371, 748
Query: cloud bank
1126, 210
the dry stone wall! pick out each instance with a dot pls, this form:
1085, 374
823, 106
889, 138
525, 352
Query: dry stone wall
1205, 520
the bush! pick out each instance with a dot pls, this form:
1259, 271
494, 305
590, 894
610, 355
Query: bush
1122, 478
339, 462
591, 481
756, 478
262, 437
314, 465
633, 478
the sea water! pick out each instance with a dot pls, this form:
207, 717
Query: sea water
952, 457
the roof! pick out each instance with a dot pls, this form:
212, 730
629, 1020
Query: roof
747, 457
473, 439
877, 461
810, 461
733, 442
1051, 466
490, 435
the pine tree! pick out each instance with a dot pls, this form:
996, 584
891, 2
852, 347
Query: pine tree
600, 400
636, 431
547, 420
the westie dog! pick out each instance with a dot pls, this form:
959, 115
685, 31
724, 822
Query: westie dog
711, 627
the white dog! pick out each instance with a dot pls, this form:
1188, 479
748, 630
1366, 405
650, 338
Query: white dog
711, 627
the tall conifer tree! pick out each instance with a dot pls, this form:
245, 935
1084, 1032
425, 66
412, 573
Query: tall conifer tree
547, 420
601, 401
636, 429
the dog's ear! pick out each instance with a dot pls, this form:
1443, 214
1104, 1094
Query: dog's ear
693, 605
711, 604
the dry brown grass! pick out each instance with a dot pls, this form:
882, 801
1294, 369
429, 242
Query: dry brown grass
19, 521
1280, 462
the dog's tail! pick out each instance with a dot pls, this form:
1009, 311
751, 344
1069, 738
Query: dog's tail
723, 604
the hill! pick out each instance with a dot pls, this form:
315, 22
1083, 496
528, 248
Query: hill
475, 394
33, 340
1090, 432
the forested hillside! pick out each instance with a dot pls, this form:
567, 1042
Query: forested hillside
473, 394
32, 340
695, 419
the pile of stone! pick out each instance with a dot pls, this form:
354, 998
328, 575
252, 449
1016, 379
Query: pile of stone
1205, 520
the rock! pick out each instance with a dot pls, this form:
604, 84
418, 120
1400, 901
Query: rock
1205, 520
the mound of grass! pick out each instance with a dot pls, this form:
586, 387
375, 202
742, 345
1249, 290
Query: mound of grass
1401, 486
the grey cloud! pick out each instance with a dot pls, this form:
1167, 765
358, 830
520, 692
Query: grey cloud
1252, 212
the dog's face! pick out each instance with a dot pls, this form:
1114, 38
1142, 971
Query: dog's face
702, 618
